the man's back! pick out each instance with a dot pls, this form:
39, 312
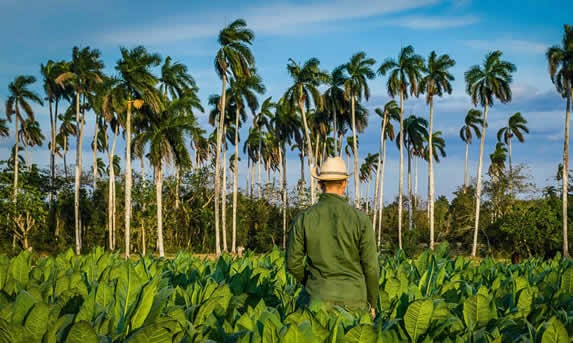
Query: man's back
338, 240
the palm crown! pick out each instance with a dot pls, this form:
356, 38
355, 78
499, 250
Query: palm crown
492, 80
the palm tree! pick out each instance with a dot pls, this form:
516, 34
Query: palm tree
334, 101
560, 61
165, 136
483, 85
261, 122
234, 57
404, 75
359, 70
244, 93
85, 70
305, 81
31, 135
67, 128
516, 127
134, 69
390, 112
438, 150
472, 120
366, 169
19, 103
414, 133
54, 93
435, 82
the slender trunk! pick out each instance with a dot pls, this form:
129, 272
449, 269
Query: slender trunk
52, 153
224, 196
478, 186
285, 198
410, 199
311, 161
415, 178
355, 152
510, 168
368, 195
431, 174
381, 200
16, 159
334, 129
401, 172
65, 154
218, 163
377, 183
128, 179
142, 168
78, 172
259, 177
248, 178
566, 175
316, 155
340, 139
111, 193
466, 168
159, 199
27, 151
95, 153
235, 184
252, 168
177, 185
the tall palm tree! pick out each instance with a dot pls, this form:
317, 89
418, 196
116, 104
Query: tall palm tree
414, 133
471, 122
306, 79
404, 77
334, 101
438, 151
233, 58
261, 122
85, 70
19, 103
436, 82
516, 127
54, 93
359, 71
67, 128
244, 93
166, 139
484, 84
136, 77
560, 62
390, 112
31, 135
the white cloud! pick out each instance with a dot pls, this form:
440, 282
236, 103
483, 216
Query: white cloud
508, 44
284, 19
433, 23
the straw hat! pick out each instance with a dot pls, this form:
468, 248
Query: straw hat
333, 169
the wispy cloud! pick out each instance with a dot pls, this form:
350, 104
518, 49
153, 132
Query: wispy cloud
434, 23
283, 19
508, 44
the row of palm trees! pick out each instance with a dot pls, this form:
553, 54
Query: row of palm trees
160, 109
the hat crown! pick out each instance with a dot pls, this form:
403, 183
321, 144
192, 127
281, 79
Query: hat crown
333, 165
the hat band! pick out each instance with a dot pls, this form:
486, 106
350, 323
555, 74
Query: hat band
334, 172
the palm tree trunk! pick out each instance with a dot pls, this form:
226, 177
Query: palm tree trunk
466, 168
368, 195
235, 183
401, 173
16, 159
259, 177
111, 193
224, 196
340, 139
510, 168
142, 160
309, 149
52, 153
410, 199
26, 149
128, 179
334, 129
159, 199
218, 163
95, 153
381, 199
377, 183
65, 154
177, 185
431, 173
78, 171
478, 186
566, 175
355, 152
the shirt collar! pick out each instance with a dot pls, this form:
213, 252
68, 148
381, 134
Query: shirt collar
332, 196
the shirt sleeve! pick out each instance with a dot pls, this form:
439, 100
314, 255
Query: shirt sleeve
295, 250
369, 262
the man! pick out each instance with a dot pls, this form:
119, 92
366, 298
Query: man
341, 267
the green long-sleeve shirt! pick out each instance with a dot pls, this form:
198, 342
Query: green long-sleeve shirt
341, 259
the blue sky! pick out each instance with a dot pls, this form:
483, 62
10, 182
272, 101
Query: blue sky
34, 31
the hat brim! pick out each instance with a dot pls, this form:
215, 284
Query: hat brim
329, 176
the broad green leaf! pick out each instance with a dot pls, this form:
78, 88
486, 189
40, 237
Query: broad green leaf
555, 332
478, 311
567, 281
37, 321
162, 332
57, 329
20, 268
417, 318
6, 332
82, 332
144, 304
525, 300
22, 305
361, 334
